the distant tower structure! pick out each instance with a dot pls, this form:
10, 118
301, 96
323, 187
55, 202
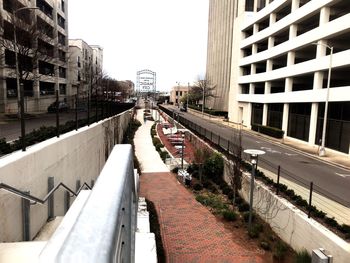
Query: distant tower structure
146, 81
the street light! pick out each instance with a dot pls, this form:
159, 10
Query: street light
188, 94
254, 154
20, 92
178, 94
182, 151
322, 151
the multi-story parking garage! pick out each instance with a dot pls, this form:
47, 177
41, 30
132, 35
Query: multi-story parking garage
280, 68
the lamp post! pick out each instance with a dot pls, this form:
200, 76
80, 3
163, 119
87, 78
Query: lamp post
182, 150
188, 94
254, 160
20, 91
322, 151
203, 101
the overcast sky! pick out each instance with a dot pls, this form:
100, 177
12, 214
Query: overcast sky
166, 36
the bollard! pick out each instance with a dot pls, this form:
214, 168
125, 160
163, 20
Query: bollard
278, 179
310, 199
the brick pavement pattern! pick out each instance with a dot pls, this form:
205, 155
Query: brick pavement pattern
190, 232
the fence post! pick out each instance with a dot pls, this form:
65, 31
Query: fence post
76, 112
57, 116
278, 179
66, 201
51, 200
310, 198
26, 218
219, 141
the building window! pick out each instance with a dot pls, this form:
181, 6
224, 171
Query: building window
62, 88
249, 5
62, 55
46, 68
61, 39
62, 6
11, 87
62, 72
45, 8
60, 21
46, 88
79, 65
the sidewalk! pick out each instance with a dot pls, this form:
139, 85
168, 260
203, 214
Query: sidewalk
333, 157
190, 232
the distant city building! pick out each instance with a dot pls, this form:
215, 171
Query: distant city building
280, 62
81, 66
218, 70
146, 81
177, 93
45, 73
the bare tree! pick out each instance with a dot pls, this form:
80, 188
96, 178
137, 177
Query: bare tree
200, 156
201, 90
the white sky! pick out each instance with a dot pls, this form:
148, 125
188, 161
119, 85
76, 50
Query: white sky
165, 36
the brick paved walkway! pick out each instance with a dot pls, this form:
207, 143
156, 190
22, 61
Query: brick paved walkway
189, 231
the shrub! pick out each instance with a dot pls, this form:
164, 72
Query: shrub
265, 245
319, 214
164, 155
156, 141
214, 166
331, 222
246, 216
283, 188
175, 170
345, 229
302, 257
231, 195
254, 232
211, 201
280, 250
226, 190
271, 131
243, 207
229, 215
238, 200
5, 147
197, 187
290, 192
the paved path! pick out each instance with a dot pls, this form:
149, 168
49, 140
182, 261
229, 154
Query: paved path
190, 233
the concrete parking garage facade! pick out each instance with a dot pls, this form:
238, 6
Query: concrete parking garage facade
279, 70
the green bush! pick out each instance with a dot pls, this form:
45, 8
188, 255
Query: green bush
156, 141
212, 201
243, 207
280, 250
229, 215
319, 214
175, 170
290, 192
302, 257
164, 155
255, 231
265, 245
197, 187
226, 190
271, 131
246, 216
214, 166
5, 147
331, 222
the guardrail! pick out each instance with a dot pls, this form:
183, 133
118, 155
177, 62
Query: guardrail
28, 200
317, 196
104, 230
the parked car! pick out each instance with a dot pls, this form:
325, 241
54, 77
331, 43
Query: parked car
62, 107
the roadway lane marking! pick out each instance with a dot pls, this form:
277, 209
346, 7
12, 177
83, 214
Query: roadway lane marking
343, 175
267, 149
291, 154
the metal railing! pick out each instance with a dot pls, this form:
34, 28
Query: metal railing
317, 196
28, 200
104, 230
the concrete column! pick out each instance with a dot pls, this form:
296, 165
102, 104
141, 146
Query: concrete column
324, 15
290, 58
293, 30
264, 118
272, 18
251, 88
313, 123
285, 118
295, 4
269, 63
248, 121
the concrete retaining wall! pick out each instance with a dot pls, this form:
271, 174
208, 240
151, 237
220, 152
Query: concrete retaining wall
290, 224
77, 155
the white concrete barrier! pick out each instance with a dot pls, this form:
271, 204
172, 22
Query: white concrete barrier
77, 155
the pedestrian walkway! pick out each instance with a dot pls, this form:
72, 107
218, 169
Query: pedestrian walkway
190, 232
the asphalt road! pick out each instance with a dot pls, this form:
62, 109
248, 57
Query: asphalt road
10, 129
333, 181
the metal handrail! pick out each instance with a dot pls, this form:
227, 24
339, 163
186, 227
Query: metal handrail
36, 200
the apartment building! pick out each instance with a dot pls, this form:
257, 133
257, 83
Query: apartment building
283, 52
177, 93
218, 69
42, 46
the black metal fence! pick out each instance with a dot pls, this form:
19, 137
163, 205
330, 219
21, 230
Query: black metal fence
17, 131
317, 196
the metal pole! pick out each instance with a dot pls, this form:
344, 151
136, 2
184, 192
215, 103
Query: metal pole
251, 195
76, 112
23, 128
182, 152
57, 116
51, 201
203, 103
310, 198
188, 94
278, 179
322, 149
26, 218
